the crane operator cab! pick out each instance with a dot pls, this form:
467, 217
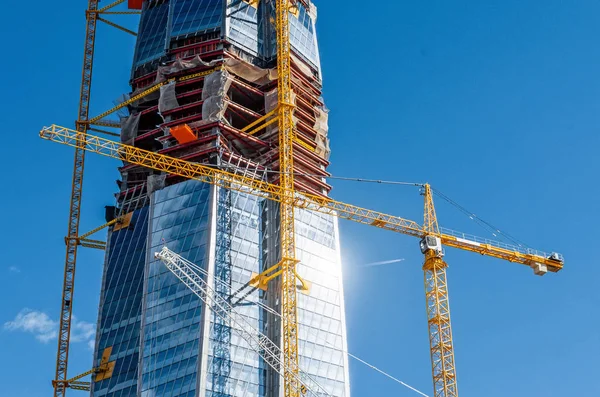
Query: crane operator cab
540, 269
556, 257
432, 243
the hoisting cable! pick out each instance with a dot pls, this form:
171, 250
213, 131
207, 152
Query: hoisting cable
484, 224
342, 178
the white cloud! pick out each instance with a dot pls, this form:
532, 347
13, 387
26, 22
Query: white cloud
34, 322
14, 269
45, 329
82, 331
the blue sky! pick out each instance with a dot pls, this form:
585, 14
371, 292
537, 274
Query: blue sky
495, 103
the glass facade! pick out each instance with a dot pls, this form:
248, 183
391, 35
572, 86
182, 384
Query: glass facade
242, 24
165, 340
191, 16
321, 314
303, 37
162, 20
121, 306
233, 368
187, 350
180, 336
248, 26
152, 32
172, 313
302, 34
321, 318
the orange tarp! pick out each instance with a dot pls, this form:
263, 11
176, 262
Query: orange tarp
183, 133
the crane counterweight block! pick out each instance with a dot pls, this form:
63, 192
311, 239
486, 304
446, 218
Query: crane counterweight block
539, 269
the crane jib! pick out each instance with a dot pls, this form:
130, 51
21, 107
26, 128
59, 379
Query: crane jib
153, 160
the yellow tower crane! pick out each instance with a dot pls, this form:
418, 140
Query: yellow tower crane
438, 307
73, 240
287, 249
432, 238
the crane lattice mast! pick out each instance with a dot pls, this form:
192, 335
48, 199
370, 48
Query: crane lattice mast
438, 307
288, 262
72, 242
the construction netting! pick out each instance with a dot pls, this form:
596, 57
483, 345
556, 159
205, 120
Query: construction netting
155, 182
238, 67
322, 128
181, 64
250, 72
214, 96
214, 93
129, 128
272, 100
168, 98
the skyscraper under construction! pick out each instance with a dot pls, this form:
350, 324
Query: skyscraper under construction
218, 57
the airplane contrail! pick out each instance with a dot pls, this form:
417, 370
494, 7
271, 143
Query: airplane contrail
381, 263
